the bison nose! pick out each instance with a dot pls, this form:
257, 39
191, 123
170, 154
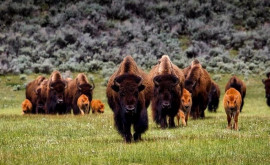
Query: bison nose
130, 108
186, 106
232, 109
60, 101
166, 104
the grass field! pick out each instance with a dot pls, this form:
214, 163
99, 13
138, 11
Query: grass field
92, 139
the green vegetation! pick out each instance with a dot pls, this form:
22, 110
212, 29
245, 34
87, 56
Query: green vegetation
92, 139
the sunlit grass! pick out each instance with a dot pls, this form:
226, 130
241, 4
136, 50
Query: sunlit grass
92, 139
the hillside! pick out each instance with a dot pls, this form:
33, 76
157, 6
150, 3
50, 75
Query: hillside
89, 35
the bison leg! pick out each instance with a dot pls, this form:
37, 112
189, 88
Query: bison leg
76, 110
235, 126
183, 120
242, 104
140, 126
186, 117
171, 122
128, 135
163, 122
229, 121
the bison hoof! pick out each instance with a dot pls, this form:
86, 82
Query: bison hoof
137, 137
128, 138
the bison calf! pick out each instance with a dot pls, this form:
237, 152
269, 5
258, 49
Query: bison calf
26, 107
97, 106
232, 103
184, 111
213, 97
83, 104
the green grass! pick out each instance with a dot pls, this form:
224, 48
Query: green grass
92, 139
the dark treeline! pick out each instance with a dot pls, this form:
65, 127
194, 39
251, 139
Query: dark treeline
38, 36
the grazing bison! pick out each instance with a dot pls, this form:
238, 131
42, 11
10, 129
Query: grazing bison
213, 97
26, 107
97, 106
198, 83
232, 102
55, 102
186, 103
239, 85
128, 94
30, 91
75, 89
167, 86
267, 90
83, 104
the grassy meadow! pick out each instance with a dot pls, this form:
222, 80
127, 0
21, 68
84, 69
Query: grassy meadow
92, 139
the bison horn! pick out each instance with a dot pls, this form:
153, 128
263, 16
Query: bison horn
155, 81
93, 84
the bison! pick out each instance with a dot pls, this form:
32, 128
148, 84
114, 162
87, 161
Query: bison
167, 88
128, 94
83, 104
97, 106
41, 92
75, 89
26, 107
55, 102
186, 104
236, 83
232, 103
198, 83
30, 91
213, 97
266, 83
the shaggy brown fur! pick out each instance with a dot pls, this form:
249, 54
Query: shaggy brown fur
83, 104
75, 89
55, 102
239, 85
167, 86
232, 102
266, 83
213, 97
128, 94
97, 106
184, 111
26, 107
30, 91
198, 83
41, 96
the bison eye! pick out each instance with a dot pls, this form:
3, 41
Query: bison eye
182, 100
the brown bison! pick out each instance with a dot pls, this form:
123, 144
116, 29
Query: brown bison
186, 104
26, 107
55, 102
213, 97
30, 92
232, 102
128, 94
167, 87
75, 89
97, 106
198, 83
83, 104
239, 85
266, 83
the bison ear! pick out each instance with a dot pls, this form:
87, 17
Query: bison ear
176, 80
115, 88
38, 91
141, 87
263, 81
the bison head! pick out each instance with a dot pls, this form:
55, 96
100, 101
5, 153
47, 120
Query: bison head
191, 84
267, 90
57, 90
85, 88
165, 89
128, 87
232, 103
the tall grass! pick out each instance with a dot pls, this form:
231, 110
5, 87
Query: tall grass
92, 139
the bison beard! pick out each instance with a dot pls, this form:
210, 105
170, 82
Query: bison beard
129, 107
167, 99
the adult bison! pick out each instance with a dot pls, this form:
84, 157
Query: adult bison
213, 97
236, 83
167, 88
266, 83
55, 102
198, 83
128, 94
30, 92
75, 89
